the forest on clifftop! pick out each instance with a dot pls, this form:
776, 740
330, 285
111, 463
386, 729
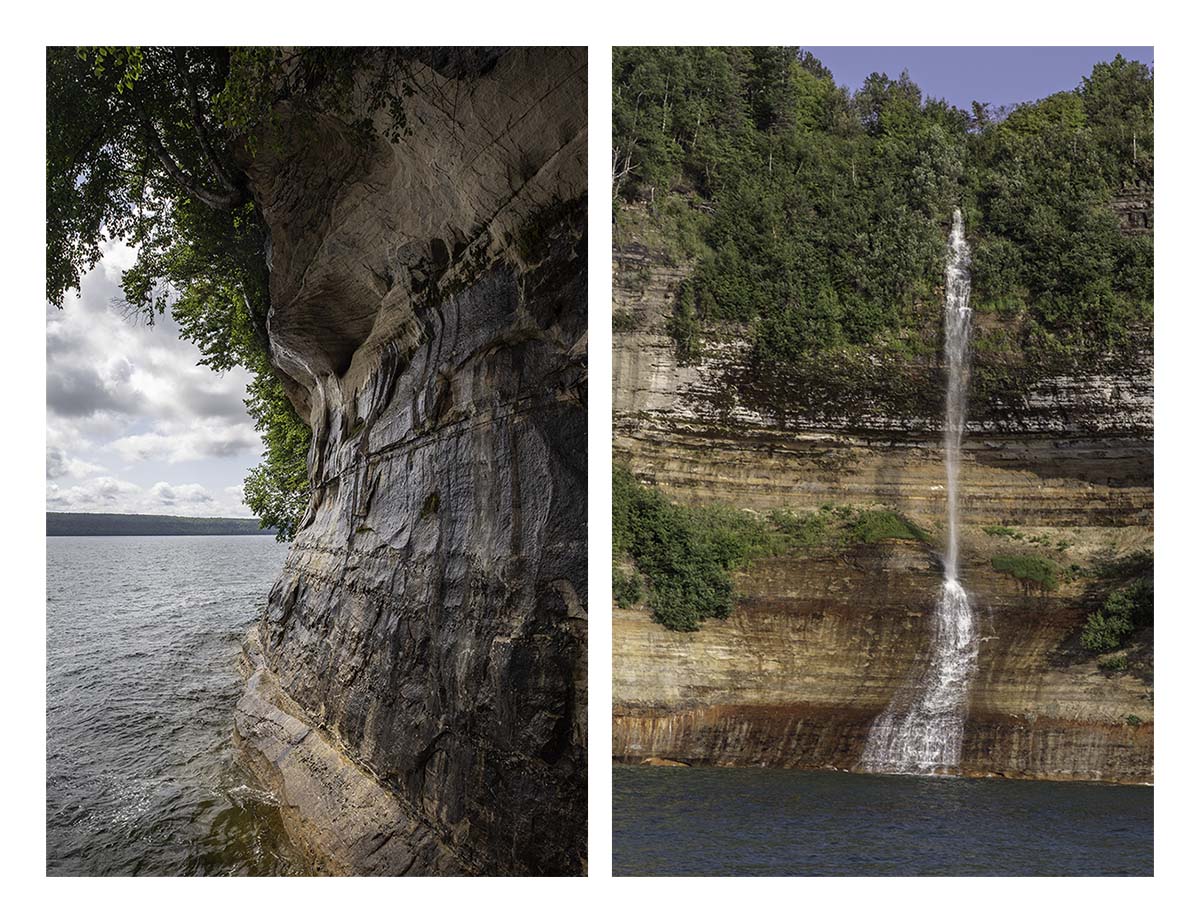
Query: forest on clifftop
816, 216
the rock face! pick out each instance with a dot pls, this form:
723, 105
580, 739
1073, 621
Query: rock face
1134, 206
818, 646
421, 663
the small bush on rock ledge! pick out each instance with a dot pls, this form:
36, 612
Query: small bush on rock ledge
1029, 568
876, 525
685, 554
1126, 608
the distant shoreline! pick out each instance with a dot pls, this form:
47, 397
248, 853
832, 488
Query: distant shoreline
85, 524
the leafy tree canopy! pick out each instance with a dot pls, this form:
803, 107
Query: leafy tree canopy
148, 145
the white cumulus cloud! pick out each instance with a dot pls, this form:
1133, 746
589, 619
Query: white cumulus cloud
59, 465
175, 444
133, 422
113, 495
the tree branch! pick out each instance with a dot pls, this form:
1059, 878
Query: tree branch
205, 141
220, 201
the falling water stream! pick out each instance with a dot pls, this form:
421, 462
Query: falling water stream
924, 735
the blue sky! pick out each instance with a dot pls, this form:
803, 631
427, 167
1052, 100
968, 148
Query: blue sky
133, 423
997, 75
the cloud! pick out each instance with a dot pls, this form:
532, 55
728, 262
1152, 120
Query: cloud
105, 363
59, 465
131, 402
97, 494
209, 398
82, 392
119, 370
174, 444
169, 495
112, 495
100, 357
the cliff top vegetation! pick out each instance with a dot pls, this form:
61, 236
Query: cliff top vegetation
816, 216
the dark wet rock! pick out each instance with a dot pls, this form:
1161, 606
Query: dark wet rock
429, 305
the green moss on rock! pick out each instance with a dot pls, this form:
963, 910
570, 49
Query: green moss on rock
1029, 568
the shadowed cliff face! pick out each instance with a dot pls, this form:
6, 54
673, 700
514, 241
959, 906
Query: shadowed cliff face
817, 647
819, 644
429, 310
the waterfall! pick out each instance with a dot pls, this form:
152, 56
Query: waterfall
958, 371
925, 736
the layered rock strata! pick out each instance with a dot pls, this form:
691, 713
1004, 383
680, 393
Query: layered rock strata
819, 644
418, 691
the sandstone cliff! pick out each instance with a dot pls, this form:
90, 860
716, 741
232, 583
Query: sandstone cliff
819, 644
417, 691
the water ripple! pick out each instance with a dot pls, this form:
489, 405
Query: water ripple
704, 821
142, 637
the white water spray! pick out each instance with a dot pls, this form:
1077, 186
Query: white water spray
925, 736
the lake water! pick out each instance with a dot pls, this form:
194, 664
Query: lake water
143, 636
720, 821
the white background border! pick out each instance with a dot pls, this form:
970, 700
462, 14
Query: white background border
600, 26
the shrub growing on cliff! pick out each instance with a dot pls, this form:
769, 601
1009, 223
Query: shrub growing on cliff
687, 555
1029, 568
624, 322
876, 525
687, 581
277, 490
684, 325
1104, 634
1124, 609
804, 530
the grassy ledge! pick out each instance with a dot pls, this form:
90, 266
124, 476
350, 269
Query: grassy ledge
1029, 569
680, 560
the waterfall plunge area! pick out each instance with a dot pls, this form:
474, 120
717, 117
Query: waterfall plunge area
925, 736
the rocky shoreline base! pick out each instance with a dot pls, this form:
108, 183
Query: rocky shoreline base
344, 820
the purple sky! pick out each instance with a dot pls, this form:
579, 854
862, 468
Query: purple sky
997, 75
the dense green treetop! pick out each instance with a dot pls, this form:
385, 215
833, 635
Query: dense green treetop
817, 216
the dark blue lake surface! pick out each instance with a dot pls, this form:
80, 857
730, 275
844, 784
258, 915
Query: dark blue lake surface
142, 642
720, 821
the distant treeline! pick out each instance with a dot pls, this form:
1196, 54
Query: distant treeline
123, 524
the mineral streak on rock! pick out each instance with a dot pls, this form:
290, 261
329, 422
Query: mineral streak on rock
418, 687
818, 646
